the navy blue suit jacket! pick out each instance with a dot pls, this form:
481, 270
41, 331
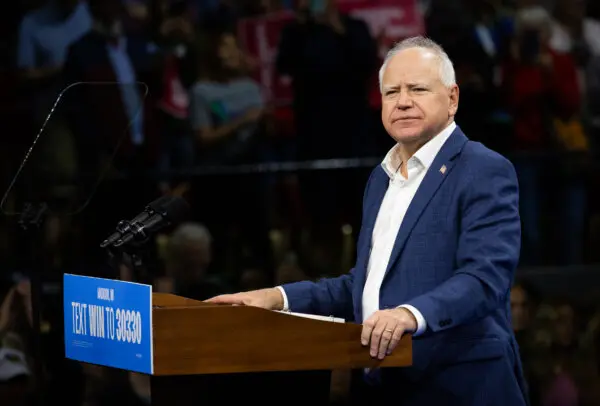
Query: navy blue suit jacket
454, 260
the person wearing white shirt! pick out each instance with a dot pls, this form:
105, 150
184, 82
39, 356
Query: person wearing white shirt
436, 254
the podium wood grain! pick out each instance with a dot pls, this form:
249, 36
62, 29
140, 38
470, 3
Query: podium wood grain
193, 337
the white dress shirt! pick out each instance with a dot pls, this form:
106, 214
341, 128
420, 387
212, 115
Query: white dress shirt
393, 208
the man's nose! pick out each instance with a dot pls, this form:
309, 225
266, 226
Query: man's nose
404, 101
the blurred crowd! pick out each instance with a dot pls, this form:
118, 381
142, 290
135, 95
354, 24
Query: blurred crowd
156, 94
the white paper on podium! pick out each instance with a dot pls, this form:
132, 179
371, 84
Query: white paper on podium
314, 316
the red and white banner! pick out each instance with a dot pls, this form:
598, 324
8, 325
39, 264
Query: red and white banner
389, 21
259, 38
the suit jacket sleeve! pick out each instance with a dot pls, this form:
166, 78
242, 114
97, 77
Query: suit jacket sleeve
487, 254
328, 296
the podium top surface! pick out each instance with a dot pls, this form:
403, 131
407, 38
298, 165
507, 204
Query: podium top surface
170, 300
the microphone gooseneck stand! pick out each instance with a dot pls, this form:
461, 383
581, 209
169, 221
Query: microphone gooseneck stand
131, 257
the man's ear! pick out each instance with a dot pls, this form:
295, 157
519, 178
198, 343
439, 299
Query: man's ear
454, 94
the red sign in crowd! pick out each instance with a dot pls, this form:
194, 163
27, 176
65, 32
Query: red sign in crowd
389, 21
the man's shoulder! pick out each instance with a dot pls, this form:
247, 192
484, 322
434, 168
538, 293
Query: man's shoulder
477, 156
377, 172
483, 170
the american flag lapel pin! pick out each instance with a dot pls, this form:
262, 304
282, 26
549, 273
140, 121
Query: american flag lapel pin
443, 169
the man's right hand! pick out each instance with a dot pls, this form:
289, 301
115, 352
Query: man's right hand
270, 299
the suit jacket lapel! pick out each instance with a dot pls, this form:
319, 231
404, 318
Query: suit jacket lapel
430, 184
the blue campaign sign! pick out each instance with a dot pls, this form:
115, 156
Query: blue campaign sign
108, 322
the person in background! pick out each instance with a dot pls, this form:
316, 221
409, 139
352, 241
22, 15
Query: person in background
578, 34
573, 32
253, 279
114, 113
543, 93
45, 35
15, 375
226, 104
523, 304
110, 106
330, 58
227, 111
555, 355
44, 38
477, 57
289, 270
187, 260
112, 387
220, 15
176, 37
16, 351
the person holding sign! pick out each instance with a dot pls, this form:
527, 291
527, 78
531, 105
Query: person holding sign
437, 250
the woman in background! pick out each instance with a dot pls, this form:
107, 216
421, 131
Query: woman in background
226, 104
226, 112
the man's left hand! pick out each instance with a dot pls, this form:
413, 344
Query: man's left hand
384, 329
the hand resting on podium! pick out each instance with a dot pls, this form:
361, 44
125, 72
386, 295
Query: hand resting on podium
270, 299
262, 298
382, 331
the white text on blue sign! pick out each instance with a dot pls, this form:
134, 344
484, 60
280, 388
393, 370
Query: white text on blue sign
107, 322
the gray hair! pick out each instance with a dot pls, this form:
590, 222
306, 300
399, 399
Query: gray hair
189, 233
447, 75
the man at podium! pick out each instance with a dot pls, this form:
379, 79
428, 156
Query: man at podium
436, 253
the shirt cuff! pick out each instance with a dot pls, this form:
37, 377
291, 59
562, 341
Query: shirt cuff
286, 306
421, 323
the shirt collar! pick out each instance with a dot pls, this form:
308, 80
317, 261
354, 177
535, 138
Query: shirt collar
425, 155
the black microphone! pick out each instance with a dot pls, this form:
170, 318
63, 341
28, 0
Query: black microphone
124, 226
168, 207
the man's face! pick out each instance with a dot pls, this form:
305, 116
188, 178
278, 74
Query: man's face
415, 103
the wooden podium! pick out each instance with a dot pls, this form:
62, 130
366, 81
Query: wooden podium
217, 354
